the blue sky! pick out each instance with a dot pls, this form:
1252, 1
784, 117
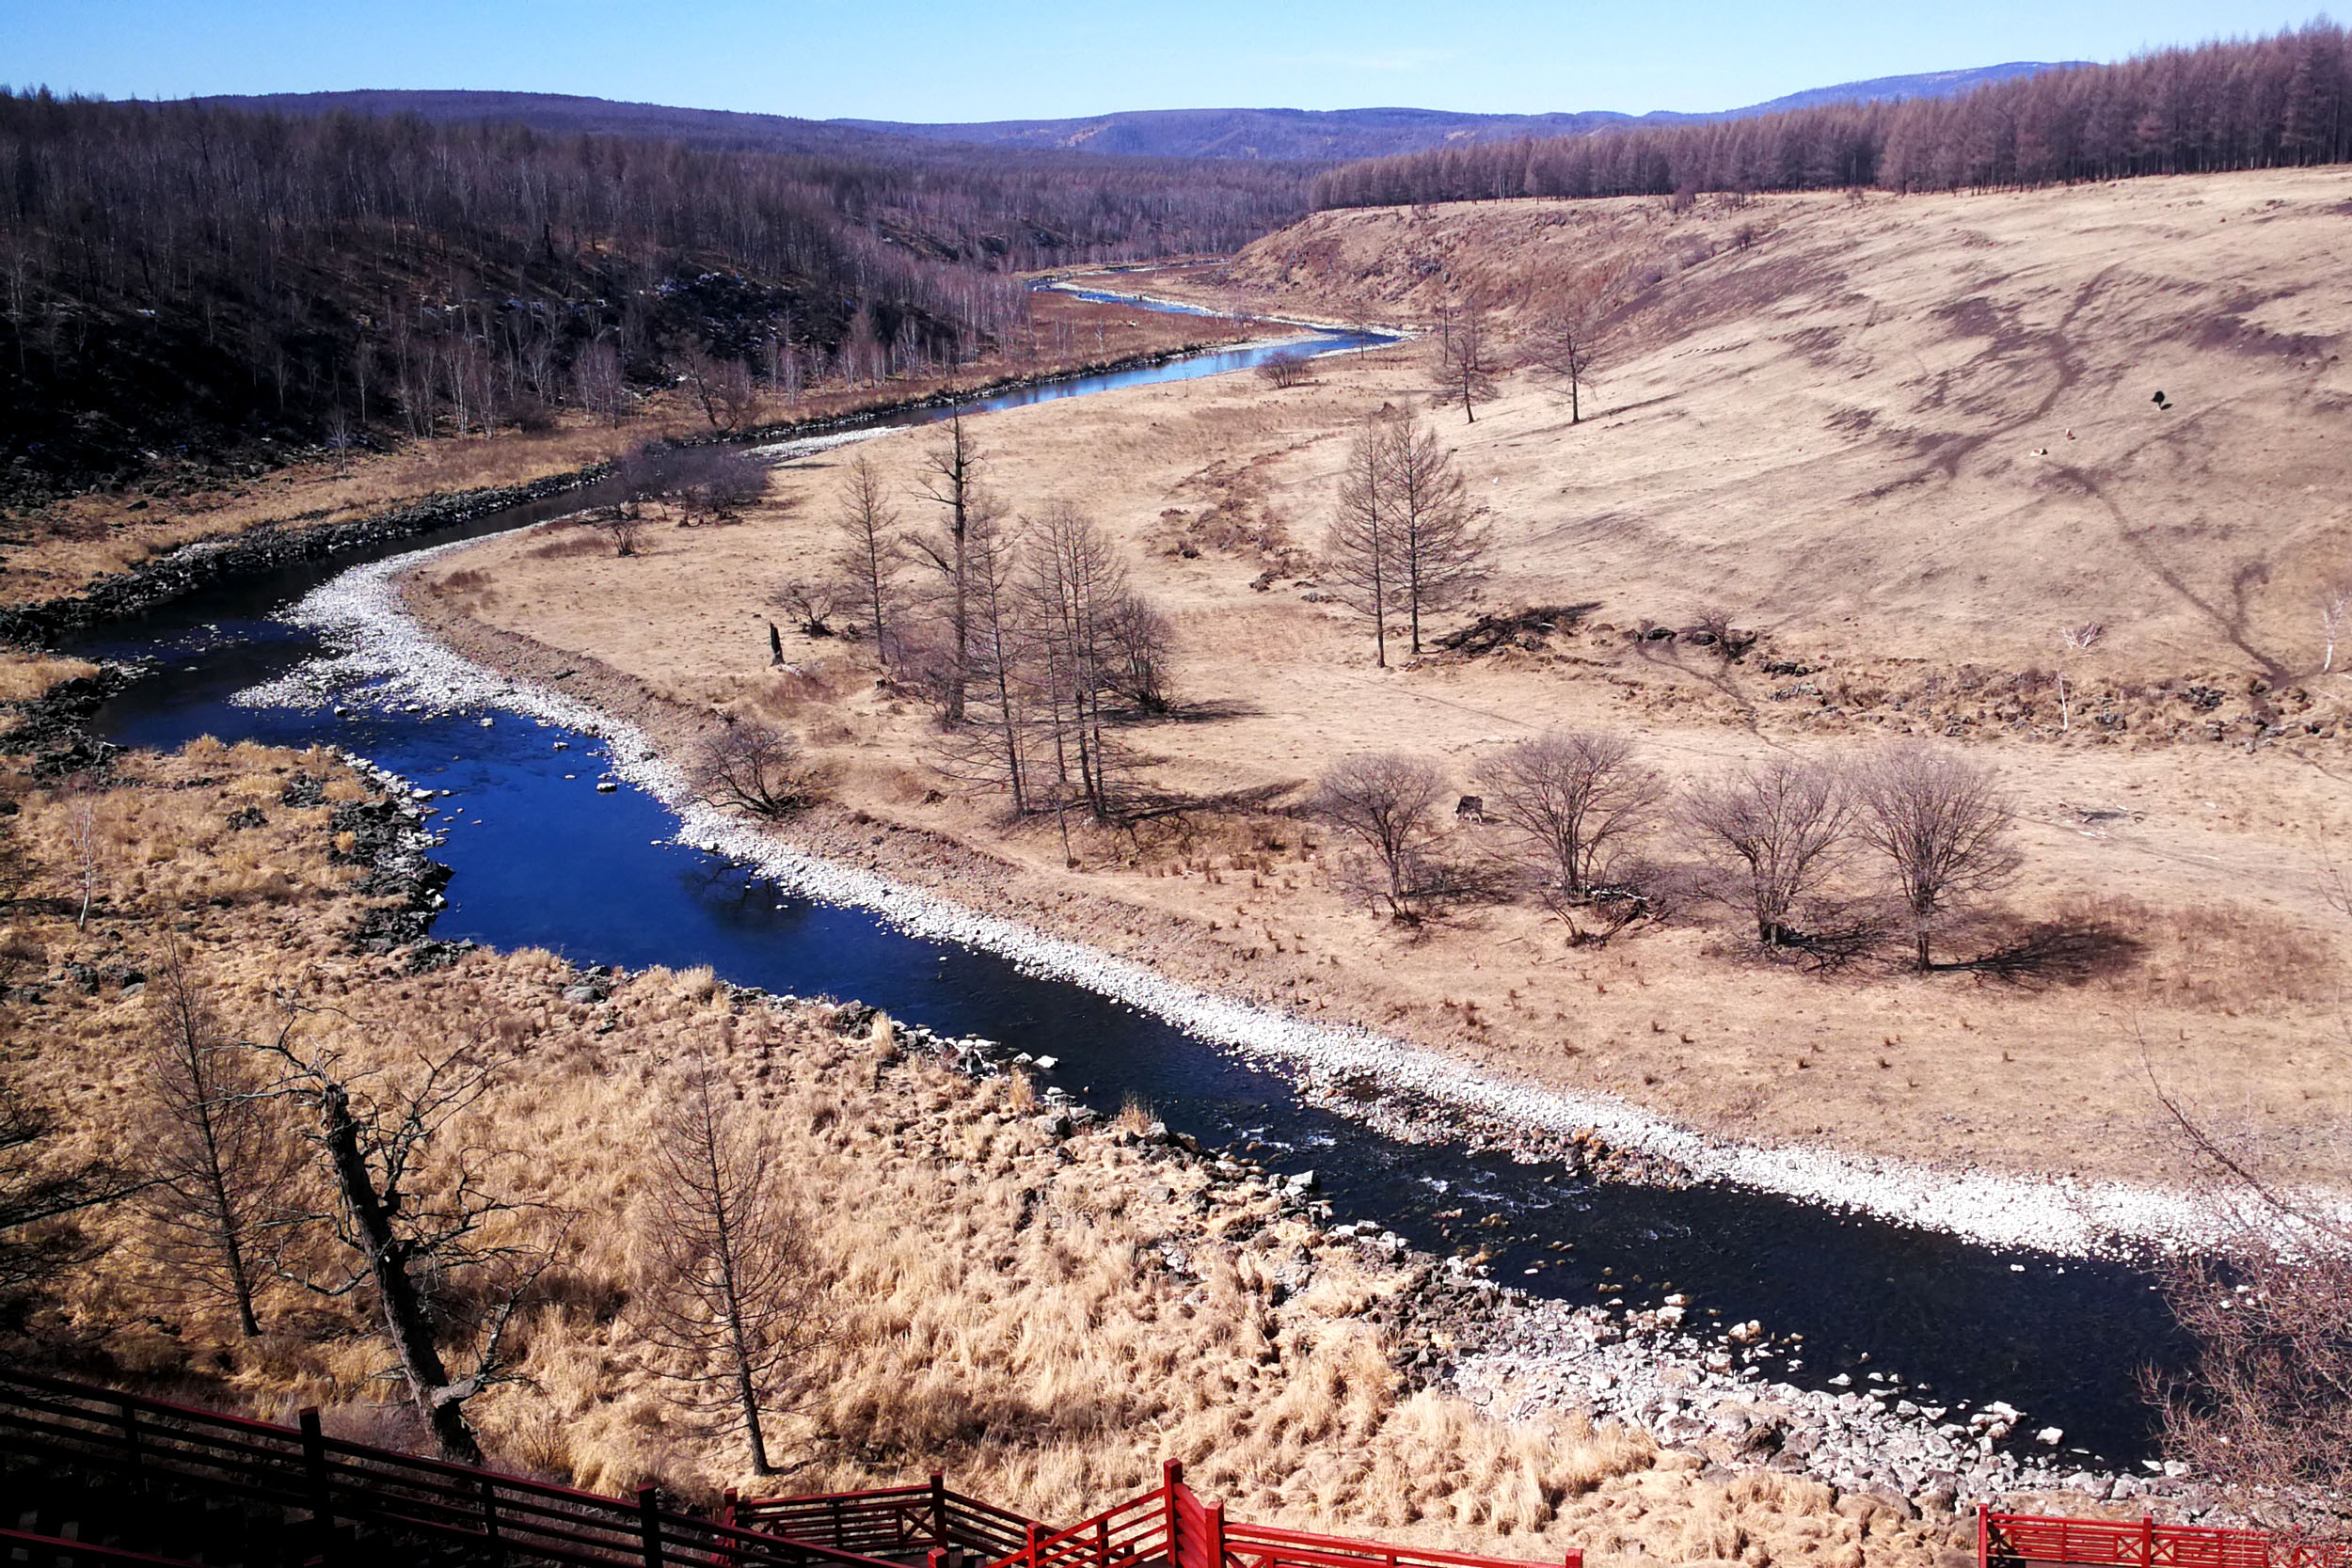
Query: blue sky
969, 59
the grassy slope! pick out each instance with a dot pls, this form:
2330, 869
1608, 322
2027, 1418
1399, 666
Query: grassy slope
1835, 434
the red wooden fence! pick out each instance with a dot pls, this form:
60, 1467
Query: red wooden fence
1171, 1526
330, 1481
2143, 1544
891, 1521
508, 1519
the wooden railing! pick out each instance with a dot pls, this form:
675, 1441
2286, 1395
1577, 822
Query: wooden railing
1173, 1526
892, 1521
509, 1520
334, 1483
2012, 1538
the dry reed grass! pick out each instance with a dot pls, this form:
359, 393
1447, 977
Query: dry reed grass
1046, 1319
25, 676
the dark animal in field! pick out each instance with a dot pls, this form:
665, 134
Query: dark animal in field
1470, 808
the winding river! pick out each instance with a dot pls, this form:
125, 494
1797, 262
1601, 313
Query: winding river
542, 858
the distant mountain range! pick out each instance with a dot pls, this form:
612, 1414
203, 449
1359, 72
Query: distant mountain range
1316, 136
1331, 135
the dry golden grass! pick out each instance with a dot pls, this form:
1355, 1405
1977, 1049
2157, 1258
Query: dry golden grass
1044, 1319
25, 676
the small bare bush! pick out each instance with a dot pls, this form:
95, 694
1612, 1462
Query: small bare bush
1284, 371
809, 604
1388, 802
1772, 836
1943, 829
756, 768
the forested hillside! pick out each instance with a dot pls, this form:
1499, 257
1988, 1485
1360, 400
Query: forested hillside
186, 282
2280, 102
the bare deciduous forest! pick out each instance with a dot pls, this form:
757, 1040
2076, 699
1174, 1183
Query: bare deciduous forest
2277, 102
182, 281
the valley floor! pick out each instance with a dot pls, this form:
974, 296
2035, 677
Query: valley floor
2184, 800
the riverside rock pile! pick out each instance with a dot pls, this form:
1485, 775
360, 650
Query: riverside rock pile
1702, 1390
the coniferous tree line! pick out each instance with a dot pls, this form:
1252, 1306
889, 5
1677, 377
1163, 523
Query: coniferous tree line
184, 278
2275, 102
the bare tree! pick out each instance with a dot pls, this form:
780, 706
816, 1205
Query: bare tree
598, 384
1573, 798
2334, 599
991, 747
1465, 365
868, 561
722, 387
414, 1221
1942, 827
1283, 370
1439, 536
1360, 550
714, 485
1139, 639
1568, 346
86, 834
1386, 801
757, 767
1072, 585
952, 482
809, 604
217, 1174
1774, 834
2266, 1412
735, 1288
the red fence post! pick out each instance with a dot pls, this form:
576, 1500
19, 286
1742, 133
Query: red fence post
1214, 1514
2147, 1539
1984, 1536
1101, 1543
314, 1475
939, 1513
490, 1519
1171, 1478
649, 1524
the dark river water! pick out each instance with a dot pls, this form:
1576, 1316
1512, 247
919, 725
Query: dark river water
541, 859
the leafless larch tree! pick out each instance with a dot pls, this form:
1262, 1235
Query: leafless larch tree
733, 1290
218, 1166
415, 1226
1466, 364
868, 561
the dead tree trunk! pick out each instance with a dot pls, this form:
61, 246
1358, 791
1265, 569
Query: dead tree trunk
407, 1325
